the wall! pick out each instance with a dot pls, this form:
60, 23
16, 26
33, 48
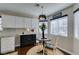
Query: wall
76, 41
66, 43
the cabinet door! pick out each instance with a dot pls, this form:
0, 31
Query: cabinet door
23, 22
20, 22
7, 44
34, 23
8, 21
3, 45
28, 23
10, 44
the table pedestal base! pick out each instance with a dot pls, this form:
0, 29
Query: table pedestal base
42, 52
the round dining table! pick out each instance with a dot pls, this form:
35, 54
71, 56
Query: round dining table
34, 51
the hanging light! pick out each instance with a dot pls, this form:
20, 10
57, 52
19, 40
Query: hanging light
42, 16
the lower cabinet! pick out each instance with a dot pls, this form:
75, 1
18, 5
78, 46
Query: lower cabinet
7, 44
27, 40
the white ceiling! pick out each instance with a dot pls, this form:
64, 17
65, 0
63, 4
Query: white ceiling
30, 10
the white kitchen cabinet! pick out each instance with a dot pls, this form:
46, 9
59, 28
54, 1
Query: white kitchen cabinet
20, 22
7, 44
31, 23
28, 22
12, 21
34, 23
8, 21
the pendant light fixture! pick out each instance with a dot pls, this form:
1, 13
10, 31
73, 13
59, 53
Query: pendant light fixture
42, 17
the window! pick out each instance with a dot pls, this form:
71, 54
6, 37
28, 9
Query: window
62, 26
76, 20
46, 30
54, 27
59, 26
1, 24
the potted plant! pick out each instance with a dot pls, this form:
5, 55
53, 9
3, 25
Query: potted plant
43, 27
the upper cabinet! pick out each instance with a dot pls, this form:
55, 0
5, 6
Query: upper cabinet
8, 21
12, 21
28, 22
18, 22
34, 23
31, 23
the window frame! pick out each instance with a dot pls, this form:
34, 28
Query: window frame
58, 25
76, 34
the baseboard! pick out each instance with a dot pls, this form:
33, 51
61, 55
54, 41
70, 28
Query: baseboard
65, 50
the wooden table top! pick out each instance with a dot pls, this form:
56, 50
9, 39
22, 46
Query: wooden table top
35, 49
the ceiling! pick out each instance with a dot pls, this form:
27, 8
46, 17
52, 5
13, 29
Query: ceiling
30, 10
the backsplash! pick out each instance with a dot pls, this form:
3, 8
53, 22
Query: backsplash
14, 32
7, 32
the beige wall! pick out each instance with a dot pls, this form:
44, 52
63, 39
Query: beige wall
66, 43
76, 41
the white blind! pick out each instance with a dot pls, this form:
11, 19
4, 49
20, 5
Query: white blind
54, 27
59, 26
76, 20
